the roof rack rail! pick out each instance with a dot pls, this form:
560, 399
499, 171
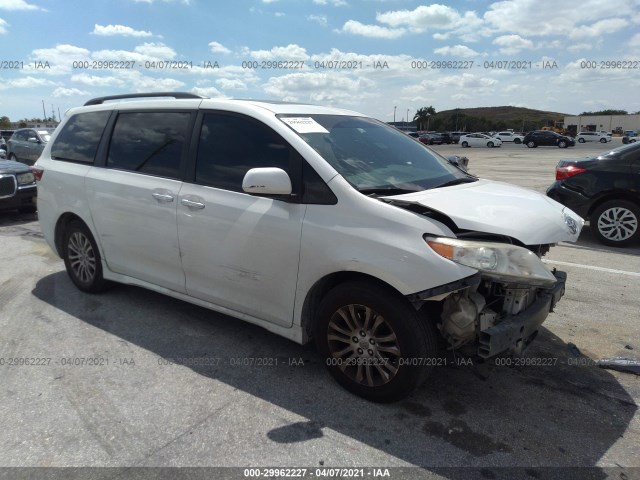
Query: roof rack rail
176, 95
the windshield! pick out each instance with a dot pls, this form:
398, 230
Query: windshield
373, 156
45, 135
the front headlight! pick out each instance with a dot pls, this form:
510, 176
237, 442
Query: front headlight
25, 178
501, 261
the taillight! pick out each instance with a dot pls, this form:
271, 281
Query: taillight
563, 173
37, 173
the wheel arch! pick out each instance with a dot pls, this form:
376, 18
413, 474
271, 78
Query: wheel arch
319, 290
61, 225
613, 195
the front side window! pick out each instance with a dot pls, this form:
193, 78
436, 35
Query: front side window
149, 142
372, 156
230, 145
79, 138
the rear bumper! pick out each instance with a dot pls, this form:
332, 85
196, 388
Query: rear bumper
516, 332
569, 198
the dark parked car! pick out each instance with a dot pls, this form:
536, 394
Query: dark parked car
544, 138
17, 187
430, 139
445, 137
604, 189
455, 136
26, 144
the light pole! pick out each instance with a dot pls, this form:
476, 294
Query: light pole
394, 114
407, 115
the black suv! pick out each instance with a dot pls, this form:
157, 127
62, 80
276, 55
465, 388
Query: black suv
17, 187
604, 189
543, 138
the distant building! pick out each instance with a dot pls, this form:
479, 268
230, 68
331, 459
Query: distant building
596, 123
406, 126
16, 125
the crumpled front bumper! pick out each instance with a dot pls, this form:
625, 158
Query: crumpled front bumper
516, 332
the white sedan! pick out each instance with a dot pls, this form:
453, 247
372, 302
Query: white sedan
509, 137
479, 140
583, 137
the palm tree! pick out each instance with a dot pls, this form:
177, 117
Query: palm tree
422, 116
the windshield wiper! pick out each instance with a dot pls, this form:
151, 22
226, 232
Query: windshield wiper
374, 192
456, 181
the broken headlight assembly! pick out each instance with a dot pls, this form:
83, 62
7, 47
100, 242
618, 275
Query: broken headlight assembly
499, 261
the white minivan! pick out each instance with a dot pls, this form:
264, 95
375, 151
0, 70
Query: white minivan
312, 222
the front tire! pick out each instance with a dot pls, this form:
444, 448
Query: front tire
531, 144
373, 341
464, 144
517, 141
82, 258
490, 144
562, 144
616, 223
603, 140
581, 140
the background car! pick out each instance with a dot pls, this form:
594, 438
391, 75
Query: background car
455, 136
17, 187
26, 144
509, 137
604, 189
444, 136
430, 139
583, 137
627, 139
546, 138
479, 140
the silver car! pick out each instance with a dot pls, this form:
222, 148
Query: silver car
26, 144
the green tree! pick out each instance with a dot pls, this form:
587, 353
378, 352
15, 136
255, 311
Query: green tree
422, 117
5, 122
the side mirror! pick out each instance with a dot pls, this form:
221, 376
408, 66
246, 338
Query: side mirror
267, 181
461, 162
33, 140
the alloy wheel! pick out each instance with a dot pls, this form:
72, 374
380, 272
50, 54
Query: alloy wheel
81, 257
617, 224
363, 345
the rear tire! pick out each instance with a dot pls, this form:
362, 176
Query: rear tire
517, 141
562, 144
464, 144
82, 258
603, 140
616, 223
490, 144
531, 144
581, 140
373, 342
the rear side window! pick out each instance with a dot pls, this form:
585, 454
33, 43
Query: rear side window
231, 145
79, 138
149, 142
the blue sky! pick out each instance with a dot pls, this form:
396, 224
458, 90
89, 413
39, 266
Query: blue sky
500, 47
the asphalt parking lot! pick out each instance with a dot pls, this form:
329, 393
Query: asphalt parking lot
106, 392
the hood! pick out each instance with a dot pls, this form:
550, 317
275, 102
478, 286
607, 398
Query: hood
503, 209
9, 166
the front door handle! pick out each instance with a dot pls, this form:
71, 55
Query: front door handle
163, 197
191, 204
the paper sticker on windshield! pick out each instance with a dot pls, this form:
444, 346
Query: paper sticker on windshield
304, 124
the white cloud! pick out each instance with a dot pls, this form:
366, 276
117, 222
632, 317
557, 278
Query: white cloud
422, 18
3, 26
320, 19
121, 30
327, 88
150, 2
95, 81
229, 84
372, 31
597, 29
457, 51
211, 92
68, 92
217, 47
138, 82
141, 53
26, 82
335, 3
290, 52
18, 5
60, 58
512, 44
